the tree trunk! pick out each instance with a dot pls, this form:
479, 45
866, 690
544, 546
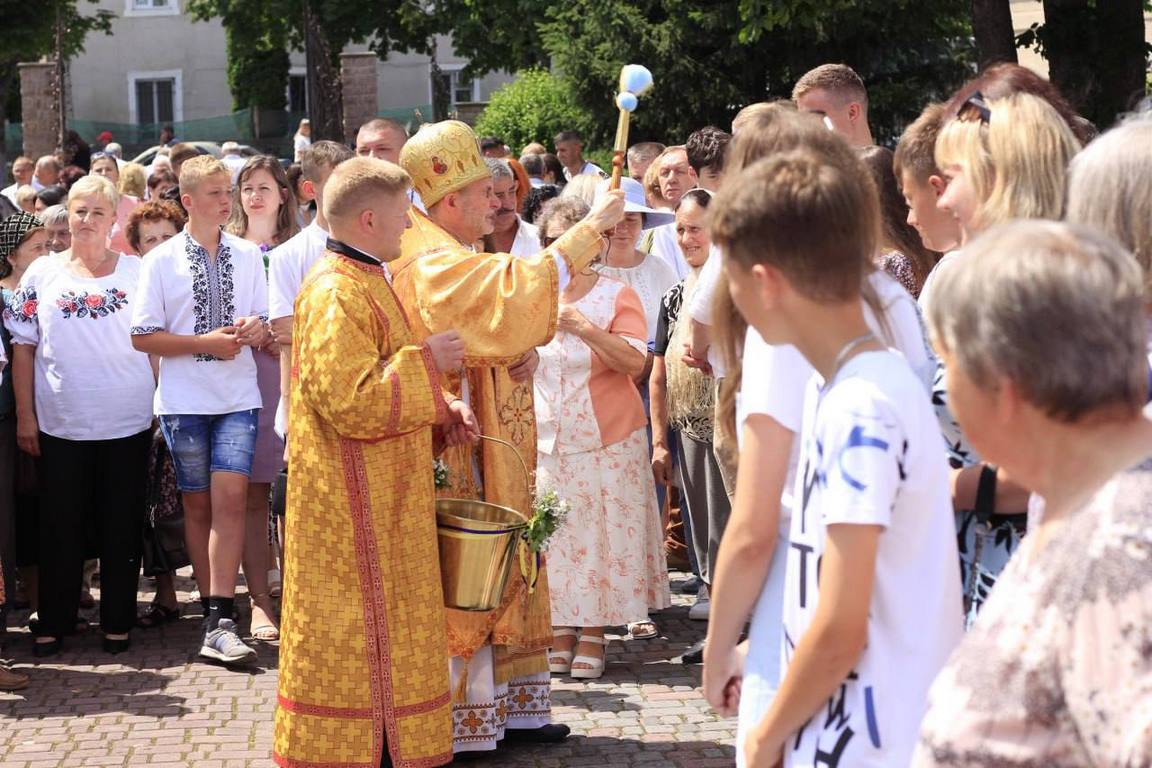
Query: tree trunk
326, 100
1070, 48
1121, 61
995, 37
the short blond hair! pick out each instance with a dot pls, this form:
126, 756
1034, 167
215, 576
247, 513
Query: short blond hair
1057, 309
99, 186
1017, 161
133, 180
195, 170
1108, 188
838, 79
356, 181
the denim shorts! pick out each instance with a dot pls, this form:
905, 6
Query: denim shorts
201, 445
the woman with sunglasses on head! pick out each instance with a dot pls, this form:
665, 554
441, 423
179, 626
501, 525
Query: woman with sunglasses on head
264, 212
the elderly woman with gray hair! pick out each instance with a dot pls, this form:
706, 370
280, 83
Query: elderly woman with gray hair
1043, 330
84, 406
55, 218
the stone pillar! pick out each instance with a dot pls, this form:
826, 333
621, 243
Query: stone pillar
41, 130
358, 76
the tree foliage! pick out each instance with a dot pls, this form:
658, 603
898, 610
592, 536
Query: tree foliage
30, 33
712, 57
534, 107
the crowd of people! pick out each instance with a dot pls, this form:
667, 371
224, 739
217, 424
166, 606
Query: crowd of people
886, 407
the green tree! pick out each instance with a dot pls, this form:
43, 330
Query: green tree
30, 33
711, 57
326, 27
534, 107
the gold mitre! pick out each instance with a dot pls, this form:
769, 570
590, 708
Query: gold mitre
443, 157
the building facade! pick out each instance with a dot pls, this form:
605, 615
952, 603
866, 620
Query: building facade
161, 66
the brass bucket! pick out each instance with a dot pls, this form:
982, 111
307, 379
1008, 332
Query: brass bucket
478, 544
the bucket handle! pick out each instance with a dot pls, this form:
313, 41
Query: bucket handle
530, 570
523, 466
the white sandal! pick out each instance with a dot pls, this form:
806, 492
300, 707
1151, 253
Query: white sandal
560, 662
595, 666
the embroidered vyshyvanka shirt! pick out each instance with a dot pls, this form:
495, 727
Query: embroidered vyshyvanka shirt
186, 291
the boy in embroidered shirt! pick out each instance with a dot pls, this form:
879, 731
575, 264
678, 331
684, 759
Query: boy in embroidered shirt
872, 600
204, 304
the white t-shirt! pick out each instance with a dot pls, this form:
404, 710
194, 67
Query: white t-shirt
186, 292
872, 454
288, 265
588, 167
666, 245
527, 242
700, 307
930, 281
90, 383
299, 144
651, 279
235, 164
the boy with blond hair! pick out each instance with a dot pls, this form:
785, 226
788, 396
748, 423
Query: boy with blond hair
204, 304
871, 601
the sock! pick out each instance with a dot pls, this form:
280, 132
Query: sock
204, 613
219, 608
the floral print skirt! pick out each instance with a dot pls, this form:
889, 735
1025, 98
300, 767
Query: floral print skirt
606, 564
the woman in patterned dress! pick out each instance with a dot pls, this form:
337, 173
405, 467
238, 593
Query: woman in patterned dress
1043, 330
606, 563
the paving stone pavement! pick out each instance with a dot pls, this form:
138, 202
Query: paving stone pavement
158, 705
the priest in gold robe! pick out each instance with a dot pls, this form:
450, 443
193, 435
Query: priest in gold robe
364, 654
503, 307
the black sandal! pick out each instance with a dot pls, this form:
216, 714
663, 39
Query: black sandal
157, 616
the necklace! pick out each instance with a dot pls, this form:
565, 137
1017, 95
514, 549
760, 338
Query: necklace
846, 350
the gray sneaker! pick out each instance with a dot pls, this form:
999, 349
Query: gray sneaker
224, 645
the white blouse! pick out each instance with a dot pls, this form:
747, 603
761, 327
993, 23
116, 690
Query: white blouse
90, 383
184, 291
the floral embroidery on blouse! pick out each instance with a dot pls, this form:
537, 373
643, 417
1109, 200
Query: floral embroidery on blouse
24, 304
93, 305
212, 290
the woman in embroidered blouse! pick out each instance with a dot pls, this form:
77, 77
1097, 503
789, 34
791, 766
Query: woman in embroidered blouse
263, 212
83, 405
606, 563
1042, 327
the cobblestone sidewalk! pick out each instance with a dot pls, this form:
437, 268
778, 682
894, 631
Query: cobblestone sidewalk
157, 705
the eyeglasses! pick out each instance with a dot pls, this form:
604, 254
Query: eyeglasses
975, 108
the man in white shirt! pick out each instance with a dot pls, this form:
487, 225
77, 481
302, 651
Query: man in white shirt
383, 138
570, 149
22, 168
836, 93
534, 166
288, 264
47, 172
510, 233
230, 156
642, 155
675, 177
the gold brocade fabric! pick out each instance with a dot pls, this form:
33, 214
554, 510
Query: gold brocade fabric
503, 306
363, 655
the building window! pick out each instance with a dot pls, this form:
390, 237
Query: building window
152, 8
155, 97
460, 88
297, 91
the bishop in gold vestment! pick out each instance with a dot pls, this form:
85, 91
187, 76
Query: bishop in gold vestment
364, 655
503, 307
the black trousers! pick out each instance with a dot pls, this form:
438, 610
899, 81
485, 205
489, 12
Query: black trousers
90, 485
